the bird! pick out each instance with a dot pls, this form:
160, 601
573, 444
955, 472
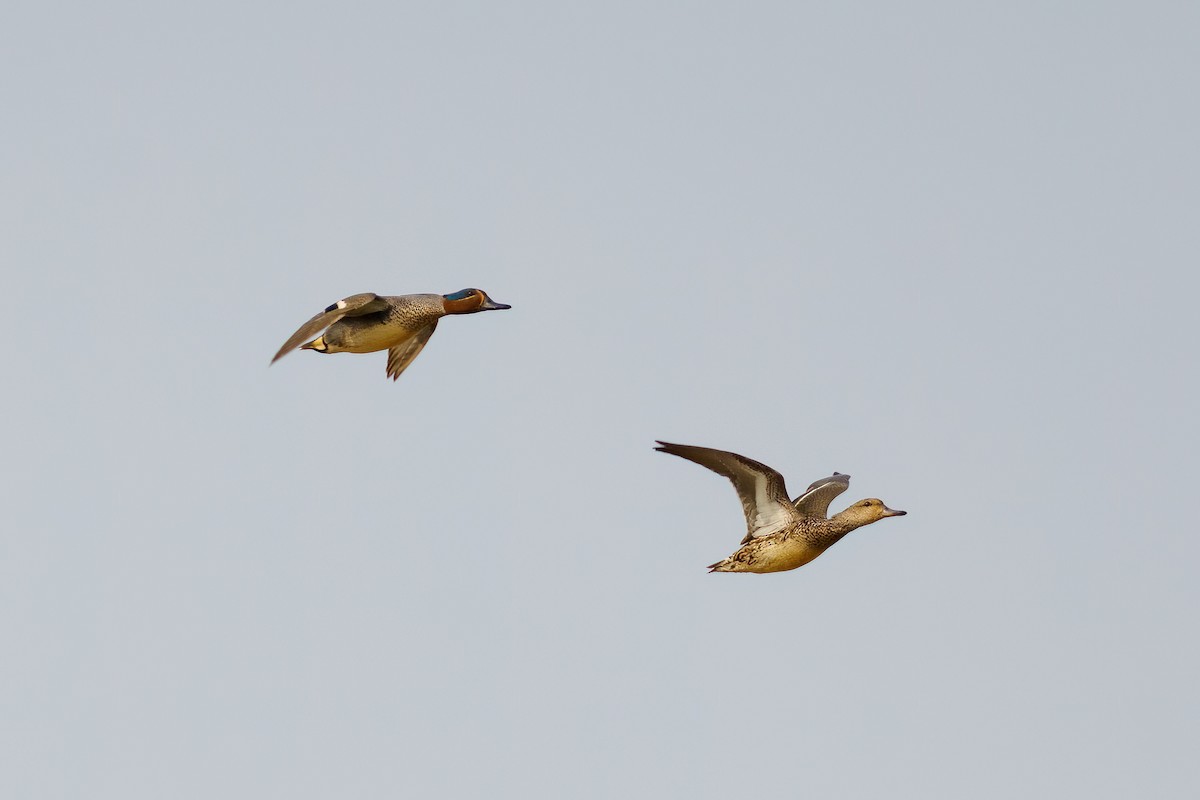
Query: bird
781, 534
365, 323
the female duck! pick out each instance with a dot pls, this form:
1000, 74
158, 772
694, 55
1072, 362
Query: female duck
365, 323
782, 534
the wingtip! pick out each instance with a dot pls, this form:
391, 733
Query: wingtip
283, 351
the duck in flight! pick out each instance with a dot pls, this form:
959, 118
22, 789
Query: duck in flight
365, 323
781, 534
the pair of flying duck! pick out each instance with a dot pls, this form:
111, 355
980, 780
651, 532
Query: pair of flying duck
782, 534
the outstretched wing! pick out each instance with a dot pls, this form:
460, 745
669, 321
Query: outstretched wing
819, 494
352, 306
401, 355
761, 489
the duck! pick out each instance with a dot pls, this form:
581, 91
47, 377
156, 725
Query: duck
402, 325
781, 534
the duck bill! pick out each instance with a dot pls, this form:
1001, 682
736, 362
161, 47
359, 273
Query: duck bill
491, 305
891, 512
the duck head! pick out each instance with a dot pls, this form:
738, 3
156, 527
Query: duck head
470, 301
864, 512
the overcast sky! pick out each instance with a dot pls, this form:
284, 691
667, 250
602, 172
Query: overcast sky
947, 248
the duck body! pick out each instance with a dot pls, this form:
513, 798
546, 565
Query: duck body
401, 324
781, 534
403, 316
788, 549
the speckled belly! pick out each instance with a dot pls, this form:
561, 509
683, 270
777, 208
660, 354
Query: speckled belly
783, 556
351, 337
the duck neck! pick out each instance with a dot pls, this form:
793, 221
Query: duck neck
845, 521
826, 532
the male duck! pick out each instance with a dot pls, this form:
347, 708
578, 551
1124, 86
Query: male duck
782, 534
365, 323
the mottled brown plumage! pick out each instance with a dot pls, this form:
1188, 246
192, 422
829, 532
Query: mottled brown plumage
782, 534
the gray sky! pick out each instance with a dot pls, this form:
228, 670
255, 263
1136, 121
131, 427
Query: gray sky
948, 249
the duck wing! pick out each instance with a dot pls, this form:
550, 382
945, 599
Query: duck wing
352, 306
819, 494
401, 355
761, 489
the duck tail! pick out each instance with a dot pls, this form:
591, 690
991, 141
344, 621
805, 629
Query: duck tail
317, 344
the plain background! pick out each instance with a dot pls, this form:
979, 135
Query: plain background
947, 248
